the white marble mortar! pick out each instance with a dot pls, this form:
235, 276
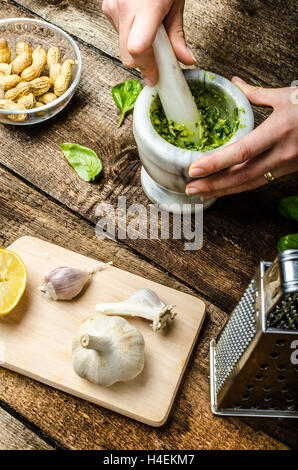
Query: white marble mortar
164, 172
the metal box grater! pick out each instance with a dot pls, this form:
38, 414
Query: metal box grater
254, 359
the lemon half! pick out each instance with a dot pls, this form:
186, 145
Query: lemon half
13, 280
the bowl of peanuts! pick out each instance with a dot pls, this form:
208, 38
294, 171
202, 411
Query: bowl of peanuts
40, 69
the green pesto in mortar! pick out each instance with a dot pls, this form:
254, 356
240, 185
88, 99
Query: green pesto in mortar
219, 121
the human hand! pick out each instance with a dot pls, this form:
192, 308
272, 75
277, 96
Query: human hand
137, 22
271, 147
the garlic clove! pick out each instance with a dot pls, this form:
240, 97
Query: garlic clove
143, 303
65, 283
107, 350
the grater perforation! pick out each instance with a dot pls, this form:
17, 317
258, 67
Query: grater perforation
253, 370
235, 338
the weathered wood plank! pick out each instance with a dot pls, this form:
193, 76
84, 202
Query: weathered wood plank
76, 424
91, 24
44, 223
221, 270
228, 36
15, 436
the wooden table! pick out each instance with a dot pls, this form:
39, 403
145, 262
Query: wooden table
41, 196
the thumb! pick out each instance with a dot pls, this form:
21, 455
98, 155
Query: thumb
258, 95
174, 26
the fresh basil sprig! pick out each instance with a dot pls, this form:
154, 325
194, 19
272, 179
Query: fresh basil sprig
288, 207
83, 160
289, 242
125, 95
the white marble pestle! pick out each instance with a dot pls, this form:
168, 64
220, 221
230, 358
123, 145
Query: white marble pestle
173, 90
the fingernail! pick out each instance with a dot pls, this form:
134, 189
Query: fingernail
148, 81
196, 172
191, 53
191, 191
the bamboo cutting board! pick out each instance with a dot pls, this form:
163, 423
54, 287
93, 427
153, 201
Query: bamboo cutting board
36, 337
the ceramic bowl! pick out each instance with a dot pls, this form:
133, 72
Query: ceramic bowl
165, 167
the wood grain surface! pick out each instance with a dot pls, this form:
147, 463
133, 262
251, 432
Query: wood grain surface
222, 269
77, 424
15, 436
41, 196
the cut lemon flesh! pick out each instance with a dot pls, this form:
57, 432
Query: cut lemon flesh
13, 280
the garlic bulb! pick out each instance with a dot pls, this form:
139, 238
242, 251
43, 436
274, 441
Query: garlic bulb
107, 350
143, 303
66, 283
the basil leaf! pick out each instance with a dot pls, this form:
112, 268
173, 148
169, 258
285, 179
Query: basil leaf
125, 95
288, 207
83, 160
289, 242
